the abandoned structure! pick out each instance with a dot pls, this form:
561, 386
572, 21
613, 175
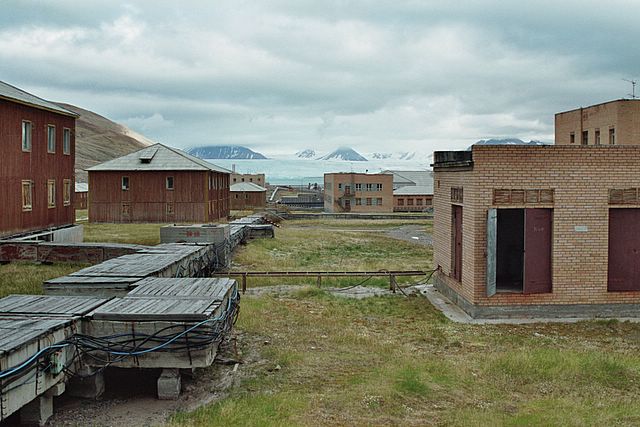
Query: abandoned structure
37, 167
610, 123
158, 184
547, 230
247, 195
413, 198
81, 196
256, 178
358, 192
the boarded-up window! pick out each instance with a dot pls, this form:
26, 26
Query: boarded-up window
51, 193
66, 192
625, 196
26, 136
27, 195
409, 202
379, 199
400, 202
419, 202
170, 209
125, 209
507, 196
66, 141
51, 139
457, 195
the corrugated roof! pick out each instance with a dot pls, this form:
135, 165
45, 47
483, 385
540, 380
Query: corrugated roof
414, 178
158, 157
82, 187
247, 187
14, 94
413, 190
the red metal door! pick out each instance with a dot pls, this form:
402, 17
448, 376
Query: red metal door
537, 250
624, 250
457, 243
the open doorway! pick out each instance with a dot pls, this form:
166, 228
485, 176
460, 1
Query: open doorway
519, 250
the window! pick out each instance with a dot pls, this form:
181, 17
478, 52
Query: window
237, 196
51, 193
369, 201
374, 202
26, 136
358, 187
125, 209
246, 195
66, 192
169, 209
340, 186
409, 202
51, 139
519, 250
125, 182
400, 202
66, 141
612, 136
250, 179
27, 195
235, 179
379, 201
419, 202
358, 201
585, 137
572, 137
378, 187
369, 187
597, 135
169, 184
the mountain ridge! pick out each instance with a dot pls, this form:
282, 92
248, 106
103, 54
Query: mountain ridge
225, 152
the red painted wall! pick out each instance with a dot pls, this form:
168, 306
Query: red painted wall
37, 165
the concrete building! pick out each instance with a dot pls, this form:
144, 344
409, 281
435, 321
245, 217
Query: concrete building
158, 184
358, 192
610, 123
247, 195
539, 230
413, 198
37, 144
255, 178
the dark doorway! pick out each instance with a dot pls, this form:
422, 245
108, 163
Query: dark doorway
624, 250
456, 240
510, 250
519, 243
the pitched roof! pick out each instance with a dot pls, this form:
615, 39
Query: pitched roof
415, 178
247, 187
12, 93
158, 157
413, 190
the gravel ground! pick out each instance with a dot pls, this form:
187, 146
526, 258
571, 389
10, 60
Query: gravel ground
411, 233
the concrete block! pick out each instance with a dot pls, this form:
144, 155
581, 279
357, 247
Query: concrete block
196, 233
169, 384
87, 384
38, 411
72, 234
57, 390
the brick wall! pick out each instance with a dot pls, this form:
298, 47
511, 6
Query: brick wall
581, 178
333, 192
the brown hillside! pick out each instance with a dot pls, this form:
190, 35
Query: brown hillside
98, 139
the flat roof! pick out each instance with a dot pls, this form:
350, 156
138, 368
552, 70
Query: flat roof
598, 105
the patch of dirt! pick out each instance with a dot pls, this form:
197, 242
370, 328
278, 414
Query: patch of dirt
130, 396
412, 233
357, 292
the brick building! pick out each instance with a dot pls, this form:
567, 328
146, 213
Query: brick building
551, 230
158, 184
247, 195
610, 123
37, 144
413, 198
358, 192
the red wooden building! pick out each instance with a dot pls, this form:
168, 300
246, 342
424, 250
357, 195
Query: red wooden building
247, 195
158, 184
37, 147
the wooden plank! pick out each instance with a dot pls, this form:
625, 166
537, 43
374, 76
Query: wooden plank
153, 308
49, 304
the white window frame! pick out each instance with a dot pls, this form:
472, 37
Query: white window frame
66, 141
122, 185
27, 202
51, 193
166, 182
66, 192
26, 136
51, 142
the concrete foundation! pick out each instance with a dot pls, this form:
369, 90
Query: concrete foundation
87, 384
38, 411
169, 384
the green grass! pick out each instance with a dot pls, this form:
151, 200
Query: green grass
398, 361
27, 278
143, 234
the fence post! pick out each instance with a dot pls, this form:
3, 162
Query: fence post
319, 281
392, 283
244, 282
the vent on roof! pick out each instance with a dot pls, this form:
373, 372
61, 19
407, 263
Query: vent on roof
147, 155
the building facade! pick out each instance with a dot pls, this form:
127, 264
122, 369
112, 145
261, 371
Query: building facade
546, 230
255, 178
81, 195
358, 192
158, 184
247, 195
610, 123
37, 142
413, 198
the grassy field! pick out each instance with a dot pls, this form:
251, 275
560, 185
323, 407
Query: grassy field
27, 278
143, 234
398, 361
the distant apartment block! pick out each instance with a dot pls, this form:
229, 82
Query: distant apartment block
610, 123
358, 192
256, 178
412, 190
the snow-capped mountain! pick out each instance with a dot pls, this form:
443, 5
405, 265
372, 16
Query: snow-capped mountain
224, 152
344, 153
400, 155
307, 153
507, 141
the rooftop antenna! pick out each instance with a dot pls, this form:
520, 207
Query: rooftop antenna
633, 88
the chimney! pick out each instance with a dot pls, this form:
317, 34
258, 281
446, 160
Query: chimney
233, 167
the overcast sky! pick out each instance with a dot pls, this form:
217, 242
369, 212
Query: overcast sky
279, 76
